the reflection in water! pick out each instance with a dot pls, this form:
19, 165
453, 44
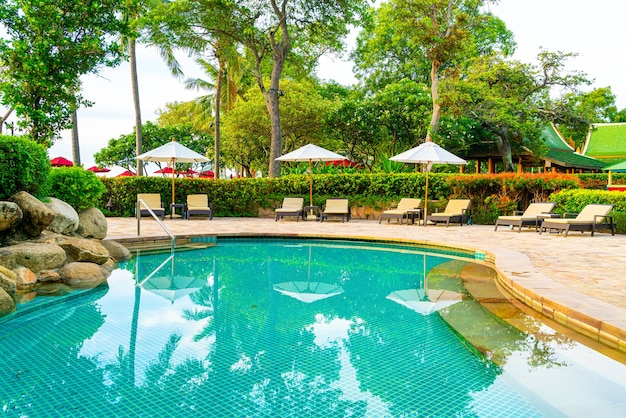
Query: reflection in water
242, 345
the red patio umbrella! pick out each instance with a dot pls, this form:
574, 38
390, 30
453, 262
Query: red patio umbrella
207, 174
97, 169
166, 170
126, 173
342, 163
61, 162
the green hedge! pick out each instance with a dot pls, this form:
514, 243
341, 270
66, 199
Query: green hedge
24, 166
76, 186
491, 195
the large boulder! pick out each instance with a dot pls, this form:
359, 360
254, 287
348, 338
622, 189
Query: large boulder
33, 255
7, 305
78, 274
7, 280
116, 250
36, 215
92, 224
81, 249
25, 278
48, 276
65, 217
10, 215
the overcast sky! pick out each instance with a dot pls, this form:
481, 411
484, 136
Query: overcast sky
595, 30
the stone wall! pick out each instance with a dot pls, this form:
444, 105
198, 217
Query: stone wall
49, 248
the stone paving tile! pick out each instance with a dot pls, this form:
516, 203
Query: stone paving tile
594, 266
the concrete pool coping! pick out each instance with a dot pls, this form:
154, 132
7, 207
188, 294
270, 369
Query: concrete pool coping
576, 281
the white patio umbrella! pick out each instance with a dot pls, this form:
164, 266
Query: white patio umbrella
424, 301
428, 153
173, 153
311, 153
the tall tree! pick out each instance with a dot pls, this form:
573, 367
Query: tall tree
431, 36
227, 76
272, 31
138, 17
511, 99
47, 48
247, 127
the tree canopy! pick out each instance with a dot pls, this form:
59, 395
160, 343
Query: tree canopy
47, 48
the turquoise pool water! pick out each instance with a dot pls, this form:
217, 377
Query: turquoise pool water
286, 327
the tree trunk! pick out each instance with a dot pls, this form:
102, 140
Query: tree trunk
4, 119
504, 147
276, 144
75, 142
434, 92
218, 105
135, 86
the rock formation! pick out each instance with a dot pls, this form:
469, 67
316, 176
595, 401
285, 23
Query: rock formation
47, 243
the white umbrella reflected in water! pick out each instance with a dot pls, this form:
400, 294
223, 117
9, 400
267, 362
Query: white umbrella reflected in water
169, 285
424, 301
308, 291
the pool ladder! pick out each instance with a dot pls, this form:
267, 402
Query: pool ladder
141, 202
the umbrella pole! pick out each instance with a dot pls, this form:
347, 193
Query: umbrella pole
173, 182
311, 182
426, 195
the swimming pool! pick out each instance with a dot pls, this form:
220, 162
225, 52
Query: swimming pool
291, 327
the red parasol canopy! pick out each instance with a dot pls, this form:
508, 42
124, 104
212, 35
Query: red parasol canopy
61, 162
97, 169
207, 174
342, 163
126, 173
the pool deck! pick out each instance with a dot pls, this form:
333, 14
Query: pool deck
578, 280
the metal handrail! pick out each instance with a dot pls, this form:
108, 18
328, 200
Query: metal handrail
156, 218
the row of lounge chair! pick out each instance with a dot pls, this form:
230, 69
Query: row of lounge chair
593, 217
294, 207
197, 204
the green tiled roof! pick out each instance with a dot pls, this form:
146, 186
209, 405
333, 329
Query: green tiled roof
606, 140
553, 139
563, 154
571, 159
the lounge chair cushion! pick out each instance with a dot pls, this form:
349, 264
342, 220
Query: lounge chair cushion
592, 217
292, 206
455, 207
198, 204
401, 211
153, 201
337, 207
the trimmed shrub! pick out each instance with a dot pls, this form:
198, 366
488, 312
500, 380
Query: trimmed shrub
24, 166
78, 187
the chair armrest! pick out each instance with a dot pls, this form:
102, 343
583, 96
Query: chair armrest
608, 217
518, 212
570, 214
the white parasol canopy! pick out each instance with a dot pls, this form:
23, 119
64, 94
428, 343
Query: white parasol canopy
311, 153
173, 153
428, 153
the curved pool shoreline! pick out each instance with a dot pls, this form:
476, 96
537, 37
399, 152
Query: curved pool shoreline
575, 281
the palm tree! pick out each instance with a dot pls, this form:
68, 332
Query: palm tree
135, 10
228, 72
